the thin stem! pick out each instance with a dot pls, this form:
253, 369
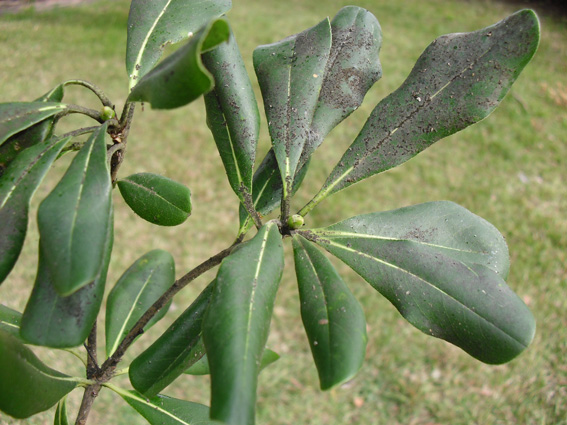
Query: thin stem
95, 89
89, 396
92, 362
77, 109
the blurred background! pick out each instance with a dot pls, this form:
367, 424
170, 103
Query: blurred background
510, 169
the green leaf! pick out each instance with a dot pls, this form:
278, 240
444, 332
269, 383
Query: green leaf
236, 324
33, 135
17, 186
61, 413
290, 74
177, 349
18, 116
181, 77
201, 367
156, 198
27, 386
10, 321
232, 115
73, 220
458, 80
332, 317
444, 279
52, 320
152, 24
137, 290
353, 68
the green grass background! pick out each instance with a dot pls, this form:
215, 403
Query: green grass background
510, 169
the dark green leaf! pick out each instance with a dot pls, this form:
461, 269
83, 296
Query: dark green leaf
444, 279
17, 186
137, 290
27, 386
178, 348
18, 116
332, 317
232, 115
236, 324
201, 367
290, 74
353, 68
156, 198
458, 80
61, 413
181, 77
152, 24
52, 320
73, 219
10, 320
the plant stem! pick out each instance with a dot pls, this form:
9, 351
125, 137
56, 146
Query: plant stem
91, 392
95, 89
120, 137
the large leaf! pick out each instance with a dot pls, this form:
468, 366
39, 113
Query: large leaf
458, 80
27, 386
53, 320
154, 23
172, 353
10, 320
137, 290
33, 135
156, 198
181, 77
232, 115
332, 317
17, 186
73, 220
236, 324
290, 73
201, 367
18, 116
444, 279
353, 68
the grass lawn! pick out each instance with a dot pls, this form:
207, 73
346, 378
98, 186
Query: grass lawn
510, 169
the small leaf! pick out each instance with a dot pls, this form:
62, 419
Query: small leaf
178, 348
447, 284
236, 324
181, 77
27, 386
332, 317
18, 116
52, 320
17, 186
290, 74
201, 367
152, 24
61, 413
10, 321
232, 115
457, 81
156, 198
137, 290
73, 220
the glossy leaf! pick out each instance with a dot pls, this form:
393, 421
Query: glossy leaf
353, 68
152, 24
61, 413
17, 186
201, 367
137, 290
172, 353
52, 320
458, 80
181, 77
10, 320
18, 116
290, 73
332, 317
73, 220
232, 115
27, 386
33, 135
156, 198
236, 324
444, 279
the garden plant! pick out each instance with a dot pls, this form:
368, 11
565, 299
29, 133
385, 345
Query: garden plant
441, 266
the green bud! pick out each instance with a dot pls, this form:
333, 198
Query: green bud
295, 221
107, 113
